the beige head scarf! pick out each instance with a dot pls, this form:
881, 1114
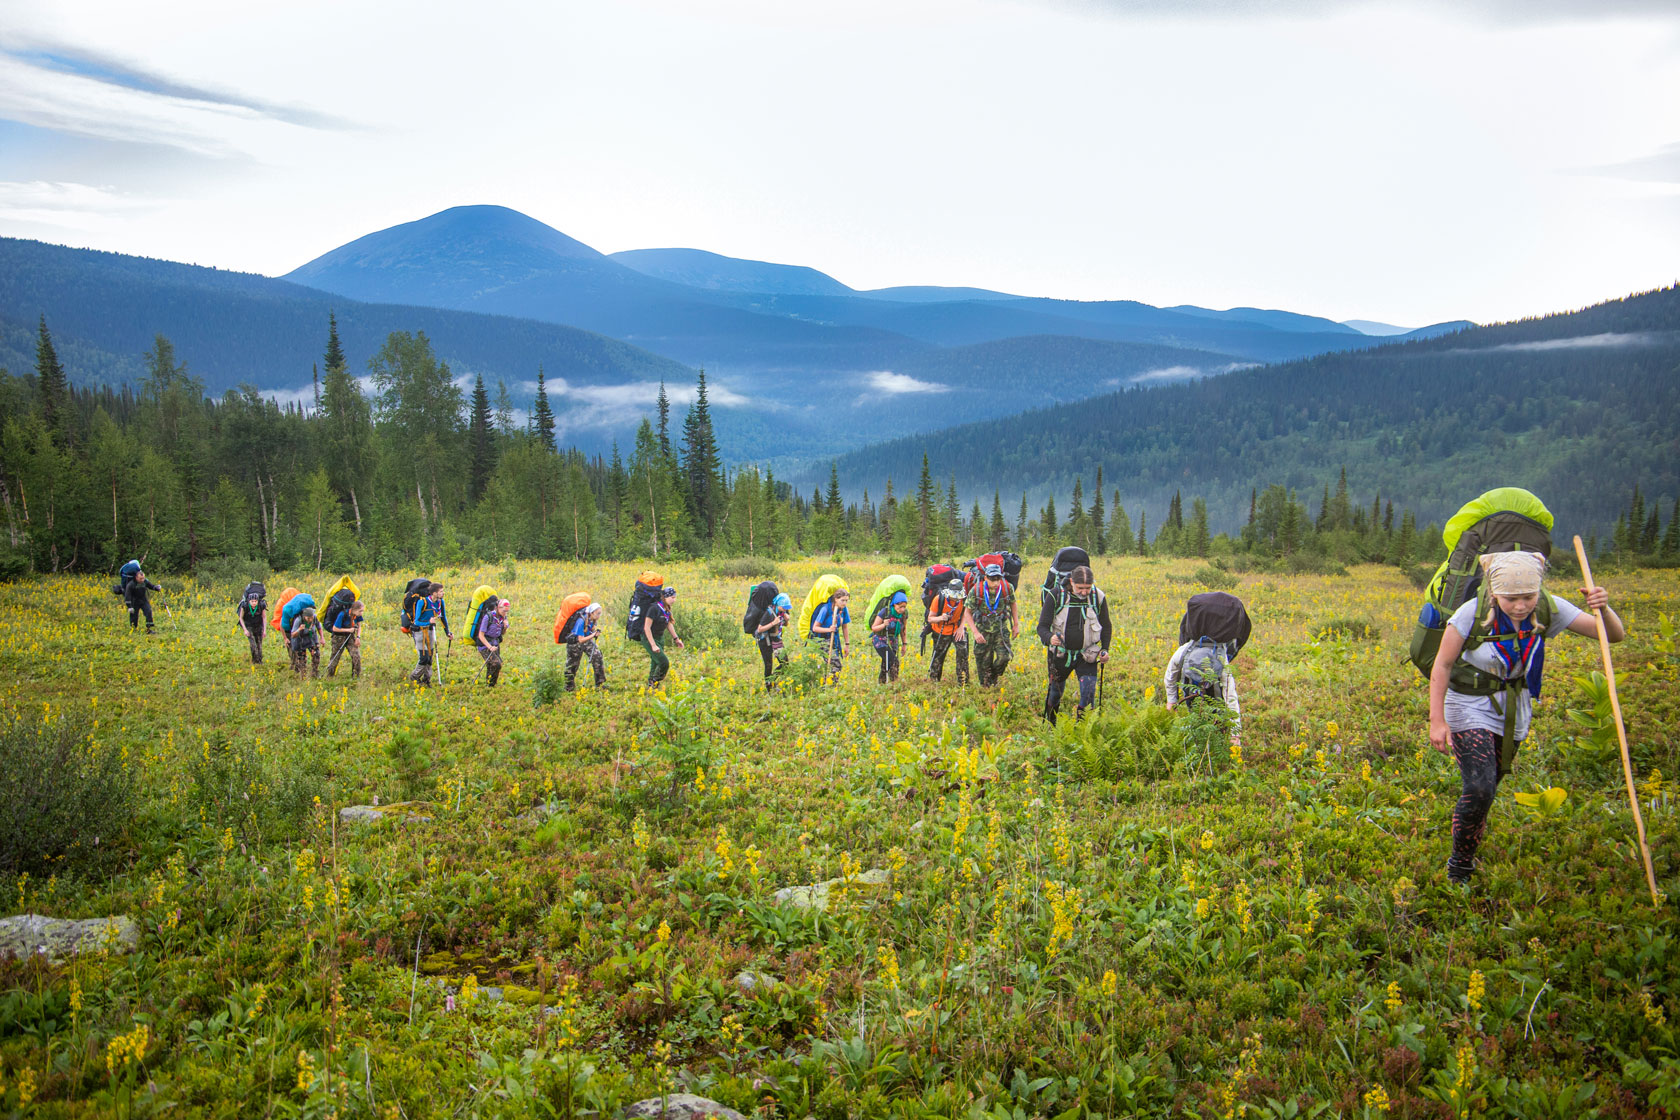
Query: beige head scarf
1511, 574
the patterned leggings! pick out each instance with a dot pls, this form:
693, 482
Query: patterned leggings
1477, 753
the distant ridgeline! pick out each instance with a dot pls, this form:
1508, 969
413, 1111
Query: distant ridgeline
1577, 407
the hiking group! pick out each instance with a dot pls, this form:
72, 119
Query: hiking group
1480, 637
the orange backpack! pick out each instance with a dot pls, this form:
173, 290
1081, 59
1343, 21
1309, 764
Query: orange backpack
569, 606
286, 596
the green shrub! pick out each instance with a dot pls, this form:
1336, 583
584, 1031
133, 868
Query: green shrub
509, 572
62, 792
225, 573
702, 629
263, 794
1209, 576
1343, 627
1118, 741
751, 568
548, 683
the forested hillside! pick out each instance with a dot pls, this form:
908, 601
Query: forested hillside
1577, 407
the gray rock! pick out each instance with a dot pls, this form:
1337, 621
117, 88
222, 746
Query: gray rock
27, 934
815, 895
750, 982
678, 1106
373, 814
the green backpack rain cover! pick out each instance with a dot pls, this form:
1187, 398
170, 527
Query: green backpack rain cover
1507, 519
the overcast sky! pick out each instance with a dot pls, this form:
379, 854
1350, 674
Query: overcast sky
1408, 161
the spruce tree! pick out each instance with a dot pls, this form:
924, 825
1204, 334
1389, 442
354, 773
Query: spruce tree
1047, 519
315, 376
53, 385
1021, 525
504, 411
542, 417
334, 355
1143, 533
1000, 529
1199, 528
701, 468
1671, 538
953, 513
925, 513
1099, 529
1120, 528
1388, 518
976, 525
1078, 528
664, 419
481, 446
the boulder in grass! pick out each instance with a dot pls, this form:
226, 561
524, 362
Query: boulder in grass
678, 1106
814, 896
373, 814
26, 935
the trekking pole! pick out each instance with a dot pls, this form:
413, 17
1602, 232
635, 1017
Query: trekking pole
1621, 729
1102, 675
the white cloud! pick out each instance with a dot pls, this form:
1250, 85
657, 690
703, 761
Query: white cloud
284, 397
67, 205
1605, 341
1168, 373
886, 381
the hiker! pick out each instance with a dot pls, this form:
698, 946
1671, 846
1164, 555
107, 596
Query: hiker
768, 634
134, 595
945, 620
248, 614
653, 621
583, 639
887, 632
345, 625
990, 619
1076, 632
828, 627
429, 610
305, 641
1487, 673
490, 633
1213, 629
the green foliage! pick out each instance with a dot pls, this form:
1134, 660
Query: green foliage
548, 683
1121, 740
63, 792
705, 629
230, 574
1215, 578
1345, 628
263, 794
749, 568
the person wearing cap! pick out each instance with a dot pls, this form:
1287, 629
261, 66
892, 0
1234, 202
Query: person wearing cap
655, 623
1495, 644
946, 622
583, 639
990, 618
305, 641
771, 648
490, 636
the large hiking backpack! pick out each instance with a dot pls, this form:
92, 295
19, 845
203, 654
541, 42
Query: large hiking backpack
245, 607
650, 589
1218, 616
1067, 559
412, 594
821, 592
286, 597
127, 573
294, 607
569, 607
759, 597
484, 603
1202, 672
883, 593
1008, 561
1507, 519
935, 579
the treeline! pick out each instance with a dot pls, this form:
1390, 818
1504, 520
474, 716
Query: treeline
418, 472
1571, 407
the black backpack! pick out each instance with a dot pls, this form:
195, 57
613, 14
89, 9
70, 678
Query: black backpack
256, 588
485, 610
412, 594
759, 598
1217, 615
341, 601
641, 599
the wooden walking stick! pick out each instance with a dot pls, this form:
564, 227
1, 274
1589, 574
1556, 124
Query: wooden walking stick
1621, 729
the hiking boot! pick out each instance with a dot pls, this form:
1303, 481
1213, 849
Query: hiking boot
151, 629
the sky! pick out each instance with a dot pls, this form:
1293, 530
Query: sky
1406, 161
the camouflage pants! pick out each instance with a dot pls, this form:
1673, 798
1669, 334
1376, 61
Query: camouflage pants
306, 657
575, 653
991, 659
942, 646
340, 643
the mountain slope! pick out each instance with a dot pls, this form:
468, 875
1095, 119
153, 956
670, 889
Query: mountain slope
235, 328
700, 269
1575, 406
